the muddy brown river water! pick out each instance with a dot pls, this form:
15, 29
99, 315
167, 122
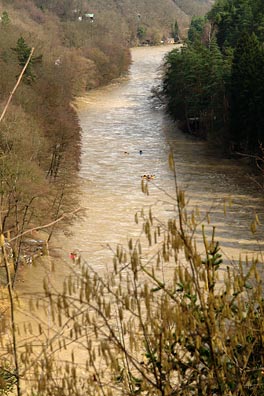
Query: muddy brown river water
121, 118
117, 122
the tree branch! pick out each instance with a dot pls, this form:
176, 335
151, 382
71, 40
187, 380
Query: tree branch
65, 215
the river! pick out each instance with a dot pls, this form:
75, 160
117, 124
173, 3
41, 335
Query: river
117, 122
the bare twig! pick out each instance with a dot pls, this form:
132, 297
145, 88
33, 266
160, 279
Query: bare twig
65, 215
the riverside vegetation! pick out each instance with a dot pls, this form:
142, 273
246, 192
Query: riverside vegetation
179, 323
214, 85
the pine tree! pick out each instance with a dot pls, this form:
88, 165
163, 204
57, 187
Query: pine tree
247, 92
196, 28
5, 20
23, 51
175, 31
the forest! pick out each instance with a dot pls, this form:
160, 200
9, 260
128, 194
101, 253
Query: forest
214, 85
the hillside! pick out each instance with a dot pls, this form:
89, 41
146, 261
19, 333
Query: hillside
126, 17
159, 14
194, 7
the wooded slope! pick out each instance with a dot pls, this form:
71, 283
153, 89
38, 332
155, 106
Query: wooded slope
215, 84
125, 16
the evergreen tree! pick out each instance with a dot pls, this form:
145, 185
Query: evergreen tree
247, 92
23, 51
5, 20
196, 28
175, 31
174, 84
194, 86
233, 17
